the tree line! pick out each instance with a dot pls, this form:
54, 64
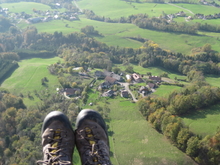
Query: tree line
156, 23
163, 114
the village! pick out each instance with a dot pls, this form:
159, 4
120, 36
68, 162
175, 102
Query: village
41, 16
110, 84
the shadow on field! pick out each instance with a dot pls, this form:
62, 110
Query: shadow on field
199, 114
8, 74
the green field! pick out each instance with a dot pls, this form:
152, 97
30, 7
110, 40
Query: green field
197, 8
118, 36
117, 9
27, 78
165, 90
213, 80
26, 7
135, 142
205, 121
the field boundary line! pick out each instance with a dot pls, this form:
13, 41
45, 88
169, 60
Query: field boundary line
77, 6
31, 76
180, 7
113, 145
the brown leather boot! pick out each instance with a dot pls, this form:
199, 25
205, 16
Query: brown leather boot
92, 138
57, 140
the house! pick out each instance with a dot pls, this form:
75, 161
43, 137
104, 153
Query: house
47, 19
58, 5
104, 85
99, 75
110, 80
144, 90
155, 78
151, 85
56, 17
137, 78
35, 20
113, 75
109, 93
128, 77
124, 93
71, 91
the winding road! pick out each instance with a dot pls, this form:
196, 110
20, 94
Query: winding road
180, 7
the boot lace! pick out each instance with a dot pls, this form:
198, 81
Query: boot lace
55, 151
94, 149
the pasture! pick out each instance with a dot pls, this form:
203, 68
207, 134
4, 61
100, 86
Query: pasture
205, 121
198, 8
27, 78
117, 9
213, 80
118, 36
134, 141
26, 7
165, 90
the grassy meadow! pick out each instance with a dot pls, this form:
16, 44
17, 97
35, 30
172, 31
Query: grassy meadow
204, 122
118, 36
165, 90
117, 9
135, 142
27, 78
26, 7
213, 80
198, 8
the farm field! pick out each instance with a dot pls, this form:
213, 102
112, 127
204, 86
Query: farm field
27, 78
26, 7
165, 90
198, 8
117, 9
213, 80
135, 142
118, 36
204, 122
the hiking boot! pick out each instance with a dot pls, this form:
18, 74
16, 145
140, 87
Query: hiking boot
92, 138
57, 140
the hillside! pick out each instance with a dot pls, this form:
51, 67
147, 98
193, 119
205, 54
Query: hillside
151, 68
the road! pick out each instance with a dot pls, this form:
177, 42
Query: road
77, 6
180, 7
126, 85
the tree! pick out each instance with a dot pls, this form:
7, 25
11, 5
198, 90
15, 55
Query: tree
207, 48
13, 30
129, 69
172, 131
116, 70
192, 146
182, 138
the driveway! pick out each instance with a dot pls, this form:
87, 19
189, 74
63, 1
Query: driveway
126, 85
